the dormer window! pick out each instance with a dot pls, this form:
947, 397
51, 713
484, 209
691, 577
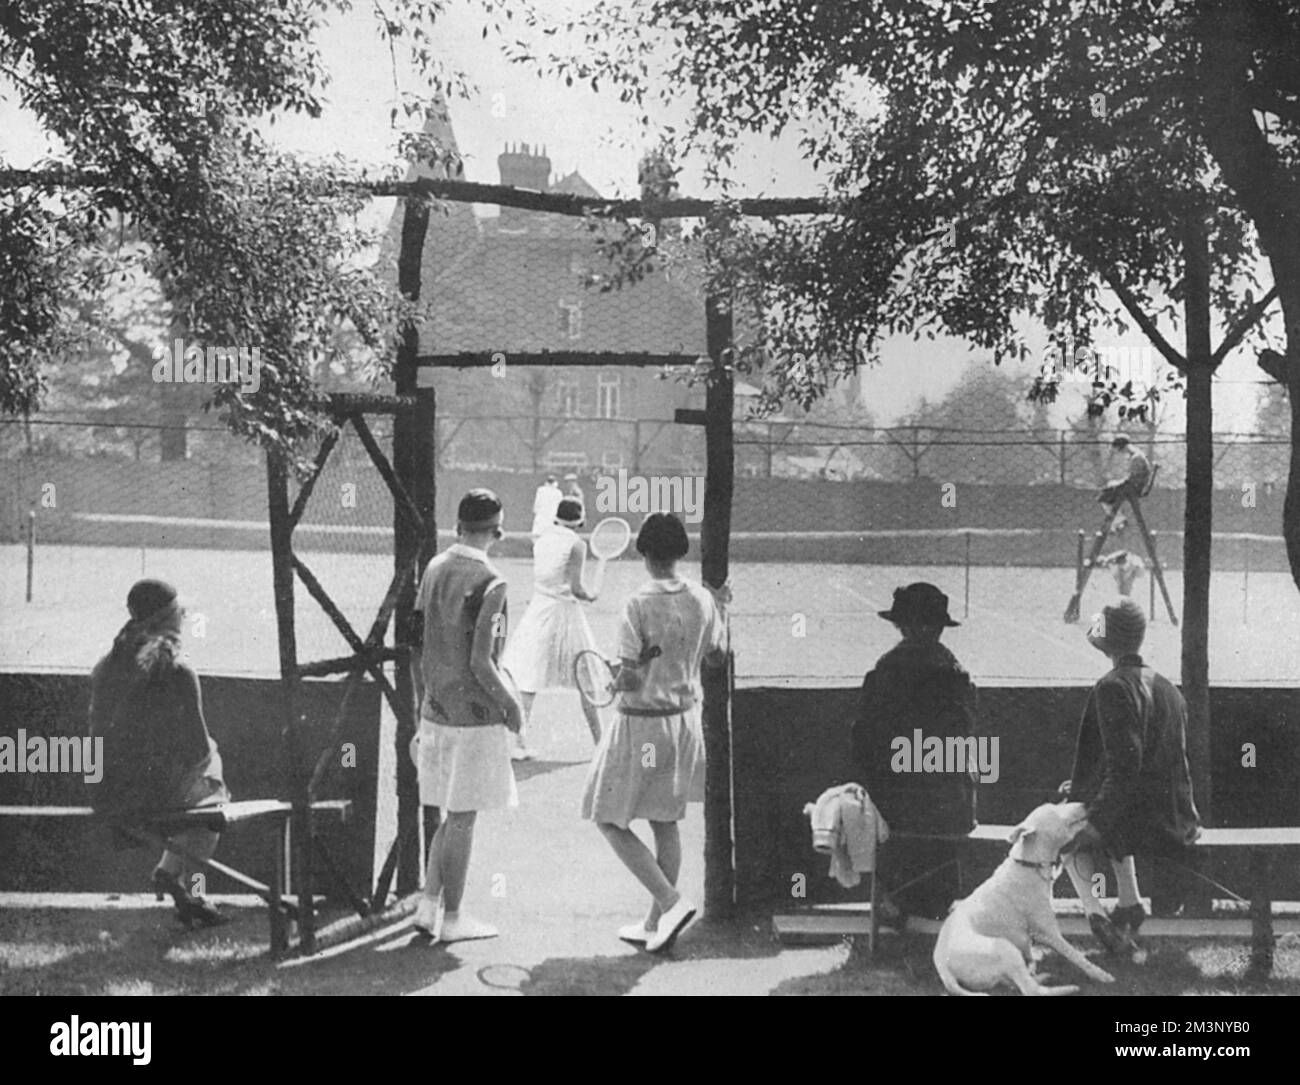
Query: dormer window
570, 319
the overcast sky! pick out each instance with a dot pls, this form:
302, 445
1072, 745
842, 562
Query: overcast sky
601, 138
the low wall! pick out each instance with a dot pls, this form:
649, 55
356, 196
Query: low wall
789, 745
245, 718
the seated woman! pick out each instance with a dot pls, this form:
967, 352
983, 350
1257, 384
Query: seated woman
146, 705
917, 685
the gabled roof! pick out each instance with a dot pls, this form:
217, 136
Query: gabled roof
496, 289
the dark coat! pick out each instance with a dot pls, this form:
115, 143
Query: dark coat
145, 703
915, 686
1130, 763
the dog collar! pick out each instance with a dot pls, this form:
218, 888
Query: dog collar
1049, 871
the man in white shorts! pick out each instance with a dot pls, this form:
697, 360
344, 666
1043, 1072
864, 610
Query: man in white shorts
467, 705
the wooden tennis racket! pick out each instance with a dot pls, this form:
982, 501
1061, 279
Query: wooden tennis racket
609, 539
596, 677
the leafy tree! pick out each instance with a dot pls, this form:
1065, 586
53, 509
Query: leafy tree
154, 106
1010, 159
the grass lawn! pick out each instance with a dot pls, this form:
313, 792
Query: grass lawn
132, 947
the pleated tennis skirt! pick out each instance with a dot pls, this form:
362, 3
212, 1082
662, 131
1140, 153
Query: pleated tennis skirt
549, 637
646, 767
465, 768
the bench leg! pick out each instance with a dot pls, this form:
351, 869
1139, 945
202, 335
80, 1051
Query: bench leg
1261, 912
279, 923
873, 930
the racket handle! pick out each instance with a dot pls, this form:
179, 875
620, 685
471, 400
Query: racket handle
598, 577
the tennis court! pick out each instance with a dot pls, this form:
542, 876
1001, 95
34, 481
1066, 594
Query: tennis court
792, 623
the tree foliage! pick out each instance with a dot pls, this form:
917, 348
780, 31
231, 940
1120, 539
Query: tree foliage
160, 101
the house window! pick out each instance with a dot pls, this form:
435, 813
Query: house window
570, 319
566, 397
561, 460
607, 386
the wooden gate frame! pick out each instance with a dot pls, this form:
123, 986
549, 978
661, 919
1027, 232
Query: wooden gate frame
412, 481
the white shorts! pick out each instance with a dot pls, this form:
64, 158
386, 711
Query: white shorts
465, 768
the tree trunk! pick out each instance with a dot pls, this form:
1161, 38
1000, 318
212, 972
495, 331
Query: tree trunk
1198, 516
1291, 505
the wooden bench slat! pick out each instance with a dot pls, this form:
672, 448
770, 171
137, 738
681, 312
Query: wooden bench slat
1282, 836
795, 927
214, 817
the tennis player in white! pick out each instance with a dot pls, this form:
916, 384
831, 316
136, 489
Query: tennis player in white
554, 628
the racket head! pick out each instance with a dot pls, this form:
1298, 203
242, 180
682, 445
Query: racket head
594, 677
610, 538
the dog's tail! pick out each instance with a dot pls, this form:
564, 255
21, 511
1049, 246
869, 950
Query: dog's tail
950, 983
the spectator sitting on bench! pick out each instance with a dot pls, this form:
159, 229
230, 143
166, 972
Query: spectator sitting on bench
1130, 768
158, 755
917, 685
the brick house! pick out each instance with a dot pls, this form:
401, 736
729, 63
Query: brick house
515, 283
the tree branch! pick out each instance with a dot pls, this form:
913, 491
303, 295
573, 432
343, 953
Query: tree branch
557, 203
1238, 332
1144, 322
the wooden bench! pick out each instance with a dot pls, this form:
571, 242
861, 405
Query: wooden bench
281, 905
830, 921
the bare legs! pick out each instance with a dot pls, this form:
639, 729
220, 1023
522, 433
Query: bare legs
657, 873
1082, 868
198, 842
449, 855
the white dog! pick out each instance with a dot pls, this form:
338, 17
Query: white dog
986, 939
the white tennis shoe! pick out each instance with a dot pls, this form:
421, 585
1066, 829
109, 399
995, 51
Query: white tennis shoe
671, 924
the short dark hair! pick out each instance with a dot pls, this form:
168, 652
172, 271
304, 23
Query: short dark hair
478, 507
662, 538
570, 508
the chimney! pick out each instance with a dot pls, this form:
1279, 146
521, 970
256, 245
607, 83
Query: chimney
522, 167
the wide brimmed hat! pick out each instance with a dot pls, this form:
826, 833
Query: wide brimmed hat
919, 604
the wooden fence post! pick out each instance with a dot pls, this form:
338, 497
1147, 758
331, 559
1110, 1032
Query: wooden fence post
414, 456
715, 535
297, 771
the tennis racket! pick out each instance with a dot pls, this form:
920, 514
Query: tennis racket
609, 539
594, 676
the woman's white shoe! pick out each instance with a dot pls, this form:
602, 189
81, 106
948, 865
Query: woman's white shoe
635, 933
671, 924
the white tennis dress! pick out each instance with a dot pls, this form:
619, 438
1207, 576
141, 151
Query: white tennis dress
554, 628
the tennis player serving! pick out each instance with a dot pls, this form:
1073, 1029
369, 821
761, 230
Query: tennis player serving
650, 763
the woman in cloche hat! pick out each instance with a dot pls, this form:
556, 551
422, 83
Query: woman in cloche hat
158, 755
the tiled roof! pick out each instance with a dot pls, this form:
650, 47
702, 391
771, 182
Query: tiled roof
496, 289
